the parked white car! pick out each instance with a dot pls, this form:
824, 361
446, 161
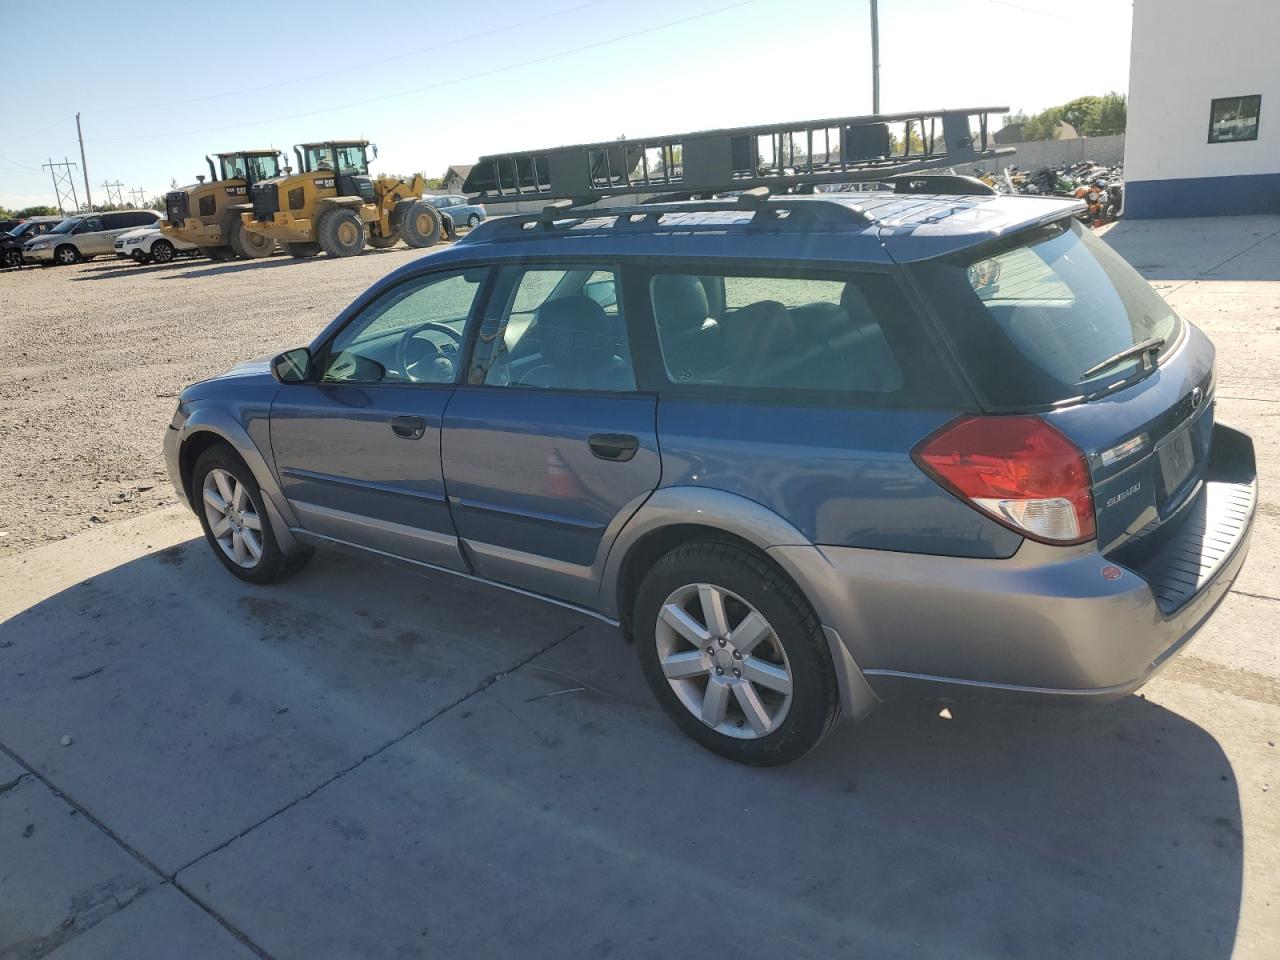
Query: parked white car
148, 244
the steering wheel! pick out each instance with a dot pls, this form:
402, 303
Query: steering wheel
435, 360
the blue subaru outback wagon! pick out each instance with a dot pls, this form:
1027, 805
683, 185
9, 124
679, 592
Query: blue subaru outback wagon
808, 453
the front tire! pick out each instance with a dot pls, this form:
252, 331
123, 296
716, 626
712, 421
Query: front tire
11, 258
162, 251
341, 233
473, 221
301, 251
734, 654
237, 527
420, 224
66, 255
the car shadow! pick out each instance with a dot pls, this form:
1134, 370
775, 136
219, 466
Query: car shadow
985, 832
128, 268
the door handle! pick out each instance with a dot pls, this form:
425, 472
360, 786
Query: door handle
410, 428
613, 446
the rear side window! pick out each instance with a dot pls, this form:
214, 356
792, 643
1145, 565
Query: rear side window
1036, 320
837, 334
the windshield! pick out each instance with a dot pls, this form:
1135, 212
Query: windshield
67, 225
1036, 320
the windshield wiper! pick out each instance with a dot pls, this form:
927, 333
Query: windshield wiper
1144, 349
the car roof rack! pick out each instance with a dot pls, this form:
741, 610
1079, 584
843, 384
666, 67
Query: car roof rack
763, 209
785, 157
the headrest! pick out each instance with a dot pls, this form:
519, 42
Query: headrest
576, 325
679, 303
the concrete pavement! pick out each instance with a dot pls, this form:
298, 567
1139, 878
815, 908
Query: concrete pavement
364, 761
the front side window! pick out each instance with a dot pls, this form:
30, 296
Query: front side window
1050, 316
351, 160
232, 168
90, 225
549, 328
414, 333
790, 333
263, 167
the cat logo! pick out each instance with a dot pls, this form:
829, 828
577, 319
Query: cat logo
237, 191
325, 183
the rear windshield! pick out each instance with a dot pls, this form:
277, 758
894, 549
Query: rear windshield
1035, 319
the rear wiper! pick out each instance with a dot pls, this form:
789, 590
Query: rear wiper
1144, 349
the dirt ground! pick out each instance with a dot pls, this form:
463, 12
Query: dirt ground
95, 356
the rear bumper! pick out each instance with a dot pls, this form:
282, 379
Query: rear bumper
1046, 623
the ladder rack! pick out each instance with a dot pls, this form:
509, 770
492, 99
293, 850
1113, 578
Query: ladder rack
785, 157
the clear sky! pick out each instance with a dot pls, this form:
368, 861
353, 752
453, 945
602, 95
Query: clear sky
159, 85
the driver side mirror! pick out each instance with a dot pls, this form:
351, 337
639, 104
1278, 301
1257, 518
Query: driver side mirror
292, 366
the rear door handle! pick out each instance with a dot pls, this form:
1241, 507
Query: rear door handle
613, 446
410, 428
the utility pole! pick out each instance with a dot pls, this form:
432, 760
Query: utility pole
874, 63
64, 185
113, 192
139, 197
84, 167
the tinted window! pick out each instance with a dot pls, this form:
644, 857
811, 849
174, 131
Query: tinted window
412, 334
780, 333
1032, 317
547, 328
144, 218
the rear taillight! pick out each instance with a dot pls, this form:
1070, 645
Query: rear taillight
1019, 470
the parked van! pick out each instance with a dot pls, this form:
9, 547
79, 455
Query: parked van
86, 236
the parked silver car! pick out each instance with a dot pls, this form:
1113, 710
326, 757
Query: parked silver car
86, 236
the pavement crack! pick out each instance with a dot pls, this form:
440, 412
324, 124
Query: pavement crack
483, 685
6, 787
1255, 596
131, 850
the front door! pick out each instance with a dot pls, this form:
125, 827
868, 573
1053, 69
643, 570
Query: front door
549, 448
358, 451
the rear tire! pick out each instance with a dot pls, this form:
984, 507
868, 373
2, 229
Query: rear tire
420, 224
225, 493
162, 251
766, 691
301, 251
218, 253
473, 221
341, 233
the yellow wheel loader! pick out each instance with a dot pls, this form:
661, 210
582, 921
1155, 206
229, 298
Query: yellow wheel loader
209, 214
332, 204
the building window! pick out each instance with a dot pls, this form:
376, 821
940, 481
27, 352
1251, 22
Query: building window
1232, 119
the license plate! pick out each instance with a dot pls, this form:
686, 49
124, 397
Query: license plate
1176, 460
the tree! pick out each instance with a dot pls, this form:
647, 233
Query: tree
1108, 117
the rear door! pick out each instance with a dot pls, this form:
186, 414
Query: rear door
549, 447
358, 452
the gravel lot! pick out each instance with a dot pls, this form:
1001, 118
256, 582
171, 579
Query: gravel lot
98, 352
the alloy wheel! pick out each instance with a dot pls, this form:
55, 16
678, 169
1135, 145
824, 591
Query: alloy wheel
233, 520
724, 661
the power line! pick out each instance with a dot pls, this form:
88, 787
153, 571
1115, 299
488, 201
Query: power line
444, 83
358, 66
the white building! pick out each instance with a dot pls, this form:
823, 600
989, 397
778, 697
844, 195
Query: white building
1203, 134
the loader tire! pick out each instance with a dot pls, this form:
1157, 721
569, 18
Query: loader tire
341, 232
302, 250
247, 244
420, 224
381, 243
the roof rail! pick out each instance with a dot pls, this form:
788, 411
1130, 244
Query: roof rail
780, 156
764, 210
